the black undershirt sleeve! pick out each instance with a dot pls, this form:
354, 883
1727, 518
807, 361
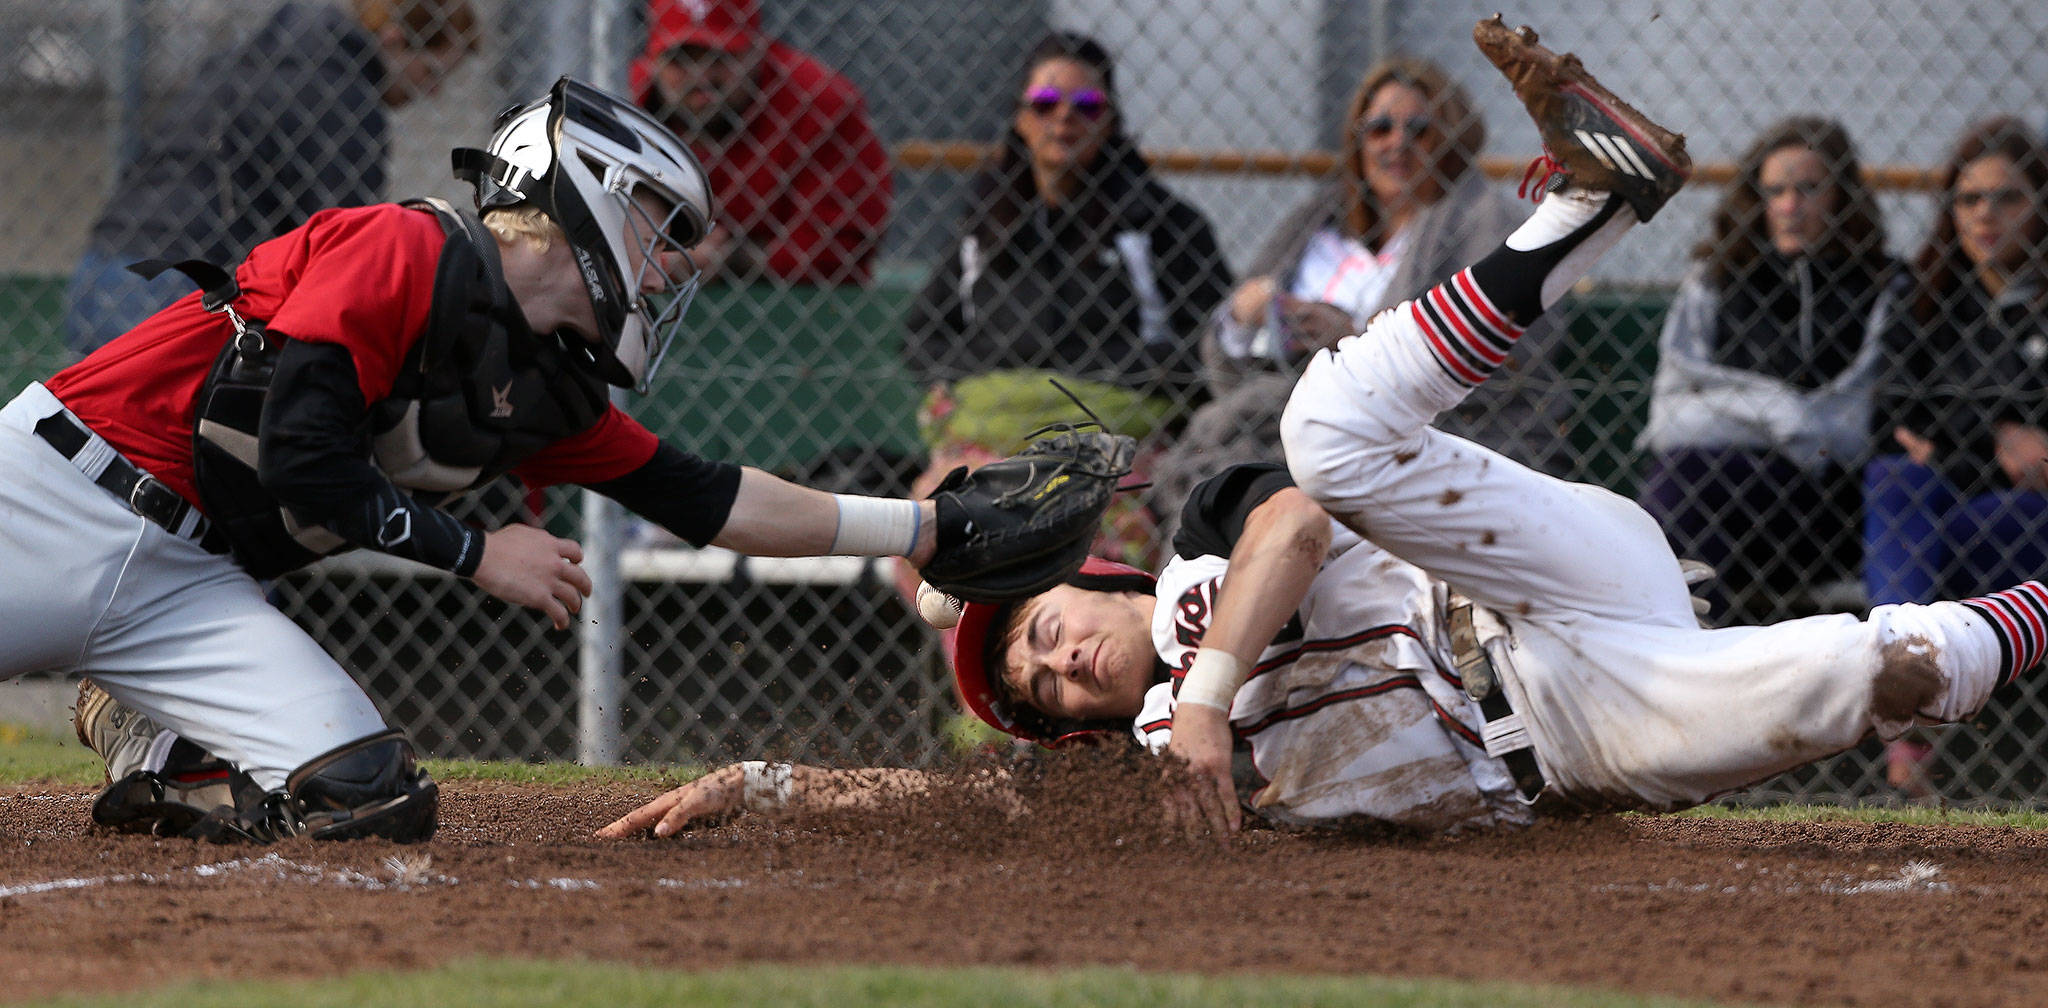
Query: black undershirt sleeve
685, 494
1213, 519
314, 457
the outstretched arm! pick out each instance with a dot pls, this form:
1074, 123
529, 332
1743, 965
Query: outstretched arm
774, 517
1274, 562
755, 786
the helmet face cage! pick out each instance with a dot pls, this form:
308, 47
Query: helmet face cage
664, 283
629, 196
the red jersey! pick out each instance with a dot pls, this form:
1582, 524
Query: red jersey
362, 278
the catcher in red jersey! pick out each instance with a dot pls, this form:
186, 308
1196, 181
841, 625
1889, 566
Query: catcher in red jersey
1405, 627
338, 385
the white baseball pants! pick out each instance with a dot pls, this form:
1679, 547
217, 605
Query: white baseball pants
1627, 701
177, 633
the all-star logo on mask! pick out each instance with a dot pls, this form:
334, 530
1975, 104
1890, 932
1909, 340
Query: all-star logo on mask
590, 278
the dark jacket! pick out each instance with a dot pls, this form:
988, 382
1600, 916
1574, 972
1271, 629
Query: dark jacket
1116, 301
1782, 358
1802, 320
1950, 379
265, 134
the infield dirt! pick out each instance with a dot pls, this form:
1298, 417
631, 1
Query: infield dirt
1849, 914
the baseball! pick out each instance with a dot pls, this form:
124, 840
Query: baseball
938, 608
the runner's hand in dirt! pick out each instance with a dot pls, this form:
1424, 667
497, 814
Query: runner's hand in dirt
1203, 795
1282, 548
714, 795
792, 788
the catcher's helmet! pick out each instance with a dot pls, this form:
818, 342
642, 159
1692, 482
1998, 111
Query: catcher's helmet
580, 155
977, 666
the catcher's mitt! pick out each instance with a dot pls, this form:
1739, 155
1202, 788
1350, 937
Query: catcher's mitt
1018, 526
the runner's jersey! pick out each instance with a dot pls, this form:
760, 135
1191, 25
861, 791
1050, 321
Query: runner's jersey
1353, 711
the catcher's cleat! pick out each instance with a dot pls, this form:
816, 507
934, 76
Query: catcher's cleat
158, 782
124, 738
1598, 141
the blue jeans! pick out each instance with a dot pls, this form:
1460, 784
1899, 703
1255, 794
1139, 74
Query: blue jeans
105, 300
1923, 540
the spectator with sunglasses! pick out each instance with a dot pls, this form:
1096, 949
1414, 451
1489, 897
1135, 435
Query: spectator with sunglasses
1958, 495
1073, 261
1408, 207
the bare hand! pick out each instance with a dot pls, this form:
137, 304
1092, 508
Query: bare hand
2023, 453
718, 793
527, 566
1317, 324
1917, 448
1207, 796
1248, 303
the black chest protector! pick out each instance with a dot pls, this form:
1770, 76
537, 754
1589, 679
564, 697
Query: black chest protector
477, 394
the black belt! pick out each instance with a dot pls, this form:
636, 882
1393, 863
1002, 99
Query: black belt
1503, 735
144, 494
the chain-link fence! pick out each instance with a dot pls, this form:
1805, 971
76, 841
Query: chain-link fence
852, 339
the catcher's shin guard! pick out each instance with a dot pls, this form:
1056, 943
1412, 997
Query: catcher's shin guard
124, 738
1600, 141
372, 787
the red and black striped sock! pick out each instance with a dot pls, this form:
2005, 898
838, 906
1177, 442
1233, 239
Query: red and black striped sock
1471, 321
2019, 619
1467, 334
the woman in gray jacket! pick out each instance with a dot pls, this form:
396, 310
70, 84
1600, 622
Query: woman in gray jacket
1760, 412
1409, 208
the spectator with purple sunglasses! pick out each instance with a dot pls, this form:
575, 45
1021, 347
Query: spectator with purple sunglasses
1072, 261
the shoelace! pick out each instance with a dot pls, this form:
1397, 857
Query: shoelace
1548, 167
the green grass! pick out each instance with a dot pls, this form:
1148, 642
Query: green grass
509, 984
28, 756
558, 773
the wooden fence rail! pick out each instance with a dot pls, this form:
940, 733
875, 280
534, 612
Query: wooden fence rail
962, 155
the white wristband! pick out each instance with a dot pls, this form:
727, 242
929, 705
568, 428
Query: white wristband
875, 526
1213, 679
765, 786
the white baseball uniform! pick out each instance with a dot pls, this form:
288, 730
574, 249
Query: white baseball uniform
1625, 700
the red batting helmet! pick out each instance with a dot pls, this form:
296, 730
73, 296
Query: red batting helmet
980, 635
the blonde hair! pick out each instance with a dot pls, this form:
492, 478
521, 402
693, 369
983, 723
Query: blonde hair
425, 24
523, 223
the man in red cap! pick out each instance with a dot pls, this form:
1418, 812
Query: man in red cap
801, 180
